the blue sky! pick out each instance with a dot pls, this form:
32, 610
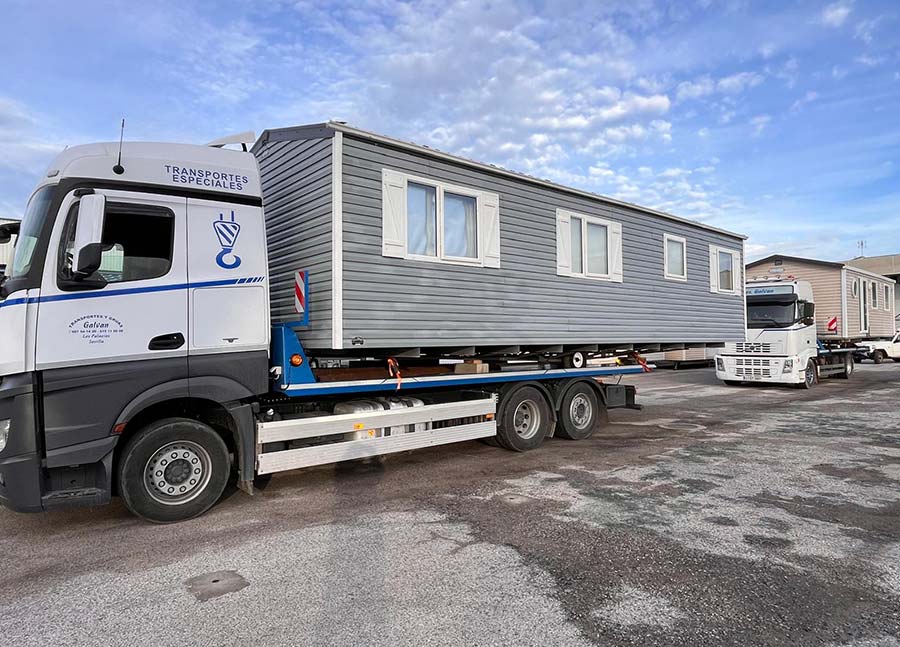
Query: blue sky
780, 120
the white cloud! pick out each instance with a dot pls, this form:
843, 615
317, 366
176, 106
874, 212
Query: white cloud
705, 85
737, 83
869, 61
835, 14
809, 97
759, 124
838, 72
865, 29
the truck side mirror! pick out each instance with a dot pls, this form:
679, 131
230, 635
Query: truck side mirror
89, 258
89, 232
808, 314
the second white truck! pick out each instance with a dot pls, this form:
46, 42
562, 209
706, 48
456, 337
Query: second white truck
782, 346
880, 350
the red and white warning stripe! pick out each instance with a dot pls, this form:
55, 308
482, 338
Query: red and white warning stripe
300, 292
832, 324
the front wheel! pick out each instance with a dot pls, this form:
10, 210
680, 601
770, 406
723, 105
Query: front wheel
810, 375
879, 356
173, 469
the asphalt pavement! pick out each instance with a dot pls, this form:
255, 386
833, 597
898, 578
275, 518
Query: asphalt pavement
716, 516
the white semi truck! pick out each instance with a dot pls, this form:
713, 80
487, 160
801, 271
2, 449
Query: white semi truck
138, 355
782, 346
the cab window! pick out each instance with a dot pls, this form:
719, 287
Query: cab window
137, 243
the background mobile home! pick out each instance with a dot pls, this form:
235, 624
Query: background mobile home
863, 302
408, 247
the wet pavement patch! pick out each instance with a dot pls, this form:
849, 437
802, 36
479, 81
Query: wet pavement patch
216, 584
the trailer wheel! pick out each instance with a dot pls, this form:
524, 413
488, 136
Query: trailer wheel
575, 360
848, 367
525, 419
580, 413
810, 376
879, 356
173, 469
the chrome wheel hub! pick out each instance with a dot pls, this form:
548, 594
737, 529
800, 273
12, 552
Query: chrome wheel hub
177, 472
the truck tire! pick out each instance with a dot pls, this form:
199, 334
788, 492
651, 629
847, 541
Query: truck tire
525, 419
173, 469
810, 376
580, 413
848, 368
879, 356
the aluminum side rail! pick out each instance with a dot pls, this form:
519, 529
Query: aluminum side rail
304, 428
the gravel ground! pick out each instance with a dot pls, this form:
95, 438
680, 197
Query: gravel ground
716, 516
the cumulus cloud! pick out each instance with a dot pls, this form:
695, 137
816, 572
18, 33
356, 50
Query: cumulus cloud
706, 85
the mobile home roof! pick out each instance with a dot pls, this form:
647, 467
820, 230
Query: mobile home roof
281, 134
814, 261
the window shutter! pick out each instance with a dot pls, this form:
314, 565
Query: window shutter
393, 214
713, 269
615, 251
491, 228
563, 244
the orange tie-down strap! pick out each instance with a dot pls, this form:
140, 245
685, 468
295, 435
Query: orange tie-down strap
640, 360
394, 370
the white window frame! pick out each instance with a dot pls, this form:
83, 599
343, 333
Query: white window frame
440, 188
887, 297
584, 274
737, 270
683, 241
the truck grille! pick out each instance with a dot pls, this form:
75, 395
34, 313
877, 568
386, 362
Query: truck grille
753, 348
752, 367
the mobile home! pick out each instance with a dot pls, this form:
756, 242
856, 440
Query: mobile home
851, 303
409, 249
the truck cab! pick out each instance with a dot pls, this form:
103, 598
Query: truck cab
138, 278
781, 345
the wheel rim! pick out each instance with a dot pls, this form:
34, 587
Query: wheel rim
810, 373
177, 473
581, 411
578, 360
527, 419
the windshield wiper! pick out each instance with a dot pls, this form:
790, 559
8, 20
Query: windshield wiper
777, 324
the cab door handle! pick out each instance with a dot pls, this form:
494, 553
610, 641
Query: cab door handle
171, 341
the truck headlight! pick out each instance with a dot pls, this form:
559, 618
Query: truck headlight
720, 364
788, 366
4, 433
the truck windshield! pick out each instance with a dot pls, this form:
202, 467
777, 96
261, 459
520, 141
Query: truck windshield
29, 233
771, 314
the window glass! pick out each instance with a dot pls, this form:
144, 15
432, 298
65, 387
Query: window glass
29, 232
421, 208
137, 242
726, 271
874, 295
460, 226
597, 249
577, 247
674, 257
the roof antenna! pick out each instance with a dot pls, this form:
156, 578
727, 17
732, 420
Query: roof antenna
118, 169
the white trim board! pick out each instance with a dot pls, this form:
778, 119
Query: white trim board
337, 241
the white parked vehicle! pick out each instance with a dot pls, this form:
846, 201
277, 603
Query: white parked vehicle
882, 349
781, 346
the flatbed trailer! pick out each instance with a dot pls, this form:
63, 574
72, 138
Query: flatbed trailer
138, 365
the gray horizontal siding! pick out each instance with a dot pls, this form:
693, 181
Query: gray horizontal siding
296, 183
396, 303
